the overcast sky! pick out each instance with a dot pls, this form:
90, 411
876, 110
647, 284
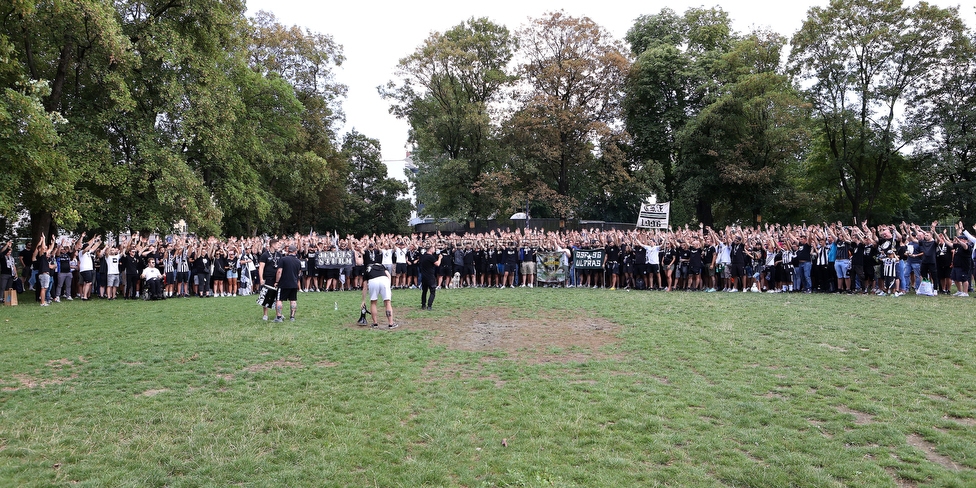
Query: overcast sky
376, 35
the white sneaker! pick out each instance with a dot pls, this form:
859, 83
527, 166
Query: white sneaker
963, 294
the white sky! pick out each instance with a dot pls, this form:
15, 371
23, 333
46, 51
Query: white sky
376, 35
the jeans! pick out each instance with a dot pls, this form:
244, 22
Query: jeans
803, 275
901, 270
916, 267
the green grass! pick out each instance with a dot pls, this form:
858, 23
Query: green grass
701, 390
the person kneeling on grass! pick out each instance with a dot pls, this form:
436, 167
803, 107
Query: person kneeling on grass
377, 284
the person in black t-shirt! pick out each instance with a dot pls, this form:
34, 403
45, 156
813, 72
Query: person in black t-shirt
378, 287
429, 262
268, 267
286, 279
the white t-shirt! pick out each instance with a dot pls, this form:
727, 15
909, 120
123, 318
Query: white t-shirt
387, 256
85, 262
151, 273
653, 256
112, 264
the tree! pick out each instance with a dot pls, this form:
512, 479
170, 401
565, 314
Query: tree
565, 125
306, 172
373, 202
445, 93
946, 154
865, 61
28, 138
670, 82
64, 62
737, 151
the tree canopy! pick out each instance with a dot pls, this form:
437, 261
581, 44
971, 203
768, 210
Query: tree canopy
132, 115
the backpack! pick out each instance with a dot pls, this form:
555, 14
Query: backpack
639, 284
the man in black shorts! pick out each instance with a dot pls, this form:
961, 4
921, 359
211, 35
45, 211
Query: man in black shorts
286, 279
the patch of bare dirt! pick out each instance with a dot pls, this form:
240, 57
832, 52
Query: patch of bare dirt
968, 422
899, 481
63, 370
281, 363
931, 454
536, 339
151, 393
860, 418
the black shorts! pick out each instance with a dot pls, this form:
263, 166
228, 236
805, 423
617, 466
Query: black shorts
87, 276
736, 270
358, 271
959, 275
869, 272
401, 268
288, 294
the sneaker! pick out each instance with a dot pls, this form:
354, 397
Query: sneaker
733, 290
278, 319
613, 288
393, 325
57, 299
531, 285
45, 304
69, 299
376, 326
963, 294
292, 319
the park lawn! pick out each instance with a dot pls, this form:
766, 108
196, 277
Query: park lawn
746, 390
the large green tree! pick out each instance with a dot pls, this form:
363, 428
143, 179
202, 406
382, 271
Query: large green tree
445, 92
564, 135
738, 151
671, 81
946, 157
374, 202
864, 61
166, 116
304, 172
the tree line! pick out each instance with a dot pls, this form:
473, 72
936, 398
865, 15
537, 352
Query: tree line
134, 114
869, 117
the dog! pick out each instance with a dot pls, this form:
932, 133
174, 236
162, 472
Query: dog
456, 281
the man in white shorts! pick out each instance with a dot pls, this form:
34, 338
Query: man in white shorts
377, 284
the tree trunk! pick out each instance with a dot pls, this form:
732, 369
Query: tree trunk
703, 210
41, 223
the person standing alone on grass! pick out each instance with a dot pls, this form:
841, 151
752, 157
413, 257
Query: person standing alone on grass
268, 267
378, 286
286, 279
429, 263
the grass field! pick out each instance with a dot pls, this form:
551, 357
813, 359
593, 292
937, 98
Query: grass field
586, 388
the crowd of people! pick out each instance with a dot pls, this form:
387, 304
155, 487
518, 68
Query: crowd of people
828, 258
